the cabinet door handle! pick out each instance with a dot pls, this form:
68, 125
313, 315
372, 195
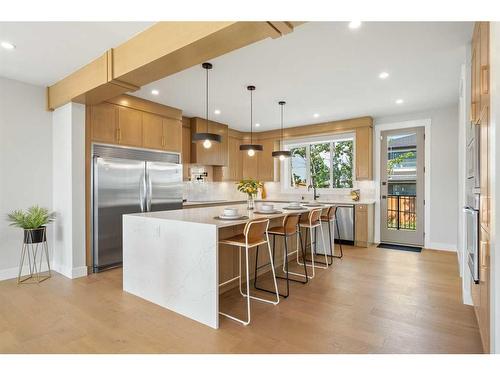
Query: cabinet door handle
118, 135
485, 78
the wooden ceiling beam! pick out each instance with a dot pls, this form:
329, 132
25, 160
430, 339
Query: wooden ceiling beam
161, 50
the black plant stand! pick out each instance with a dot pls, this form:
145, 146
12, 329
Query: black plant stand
34, 247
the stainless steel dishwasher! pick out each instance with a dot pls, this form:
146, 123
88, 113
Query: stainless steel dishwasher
345, 217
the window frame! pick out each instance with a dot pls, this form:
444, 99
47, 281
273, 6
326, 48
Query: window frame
307, 142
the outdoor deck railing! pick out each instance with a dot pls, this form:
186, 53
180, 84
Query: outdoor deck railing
401, 212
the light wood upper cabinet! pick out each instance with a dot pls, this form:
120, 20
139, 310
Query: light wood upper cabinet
152, 131
118, 124
265, 160
104, 124
484, 65
129, 127
250, 166
217, 154
172, 134
186, 147
162, 133
261, 165
364, 150
234, 169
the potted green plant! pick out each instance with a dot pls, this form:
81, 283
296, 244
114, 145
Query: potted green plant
33, 221
250, 187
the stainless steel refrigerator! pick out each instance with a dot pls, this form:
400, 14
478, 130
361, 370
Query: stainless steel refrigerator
128, 180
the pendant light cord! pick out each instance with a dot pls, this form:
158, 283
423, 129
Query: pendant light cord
207, 100
251, 117
282, 124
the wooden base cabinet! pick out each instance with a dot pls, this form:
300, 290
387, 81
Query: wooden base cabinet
363, 227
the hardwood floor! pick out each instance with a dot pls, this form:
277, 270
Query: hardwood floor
372, 301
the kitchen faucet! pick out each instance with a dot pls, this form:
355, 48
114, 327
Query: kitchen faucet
313, 185
315, 195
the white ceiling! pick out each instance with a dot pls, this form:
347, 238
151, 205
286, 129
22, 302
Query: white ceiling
327, 68
48, 51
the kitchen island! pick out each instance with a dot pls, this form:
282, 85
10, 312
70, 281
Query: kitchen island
173, 258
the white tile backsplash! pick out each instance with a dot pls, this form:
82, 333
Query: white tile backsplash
194, 191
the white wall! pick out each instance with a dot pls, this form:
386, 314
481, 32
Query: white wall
25, 162
443, 198
495, 185
69, 189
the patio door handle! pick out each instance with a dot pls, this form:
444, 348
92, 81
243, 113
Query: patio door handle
384, 196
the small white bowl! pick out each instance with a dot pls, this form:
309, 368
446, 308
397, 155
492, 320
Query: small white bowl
267, 207
230, 212
294, 204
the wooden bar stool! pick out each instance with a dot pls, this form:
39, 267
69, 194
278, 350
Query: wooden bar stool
331, 217
289, 228
254, 235
311, 221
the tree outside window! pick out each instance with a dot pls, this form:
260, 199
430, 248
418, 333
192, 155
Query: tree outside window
325, 164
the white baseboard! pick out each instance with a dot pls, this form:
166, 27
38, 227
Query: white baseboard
79, 272
12, 273
71, 273
467, 297
441, 246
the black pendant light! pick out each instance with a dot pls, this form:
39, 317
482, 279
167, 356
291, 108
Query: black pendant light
251, 148
207, 138
282, 154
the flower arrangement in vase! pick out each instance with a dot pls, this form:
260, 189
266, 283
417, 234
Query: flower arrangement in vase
250, 187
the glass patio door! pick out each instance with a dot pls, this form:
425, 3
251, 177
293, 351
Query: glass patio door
402, 186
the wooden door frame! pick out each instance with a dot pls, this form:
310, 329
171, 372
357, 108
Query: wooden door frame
378, 128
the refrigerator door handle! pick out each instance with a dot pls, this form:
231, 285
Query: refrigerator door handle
142, 192
149, 192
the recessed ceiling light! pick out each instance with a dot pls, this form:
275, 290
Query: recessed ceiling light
7, 45
217, 111
155, 92
316, 115
354, 24
257, 125
400, 101
383, 75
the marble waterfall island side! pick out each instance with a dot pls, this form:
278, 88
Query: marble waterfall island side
173, 263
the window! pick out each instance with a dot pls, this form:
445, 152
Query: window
325, 163
298, 167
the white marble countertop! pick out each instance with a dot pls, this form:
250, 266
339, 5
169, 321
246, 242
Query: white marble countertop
337, 201
206, 215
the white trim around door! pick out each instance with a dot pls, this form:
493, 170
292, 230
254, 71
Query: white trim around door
426, 123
